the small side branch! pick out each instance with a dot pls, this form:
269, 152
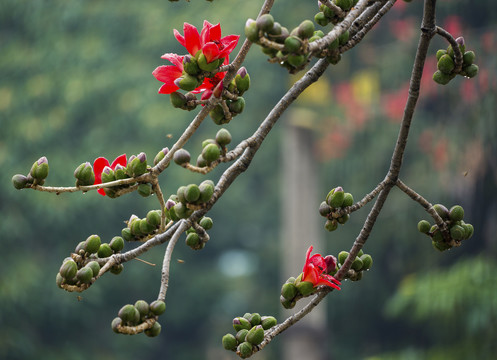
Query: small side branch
455, 46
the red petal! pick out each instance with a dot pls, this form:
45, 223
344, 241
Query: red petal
229, 46
167, 73
98, 167
205, 34
168, 89
211, 52
121, 160
215, 32
101, 192
174, 59
179, 37
192, 38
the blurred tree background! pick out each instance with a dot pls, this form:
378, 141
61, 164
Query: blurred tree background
76, 83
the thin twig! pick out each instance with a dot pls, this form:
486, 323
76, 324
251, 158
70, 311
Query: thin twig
455, 46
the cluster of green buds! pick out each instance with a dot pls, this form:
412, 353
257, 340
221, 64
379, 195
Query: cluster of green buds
80, 270
446, 64
328, 15
136, 166
36, 176
293, 290
332, 208
362, 262
140, 317
458, 229
250, 330
196, 237
289, 49
189, 198
141, 229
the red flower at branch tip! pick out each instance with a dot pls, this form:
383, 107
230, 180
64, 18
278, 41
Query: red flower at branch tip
209, 41
315, 269
99, 165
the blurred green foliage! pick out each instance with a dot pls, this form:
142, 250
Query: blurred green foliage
76, 84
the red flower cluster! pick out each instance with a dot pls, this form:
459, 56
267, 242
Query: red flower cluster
316, 268
101, 163
208, 47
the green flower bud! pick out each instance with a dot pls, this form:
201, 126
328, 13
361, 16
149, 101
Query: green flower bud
306, 29
84, 175
334, 44
343, 38
126, 234
445, 64
442, 211
255, 335
229, 342
290, 280
206, 192
211, 153
334, 58
240, 323
117, 269
288, 291
356, 277
468, 231
190, 65
120, 172
201, 162
251, 30
144, 190
145, 227
80, 247
331, 225
108, 175
255, 319
321, 19
95, 267
287, 303
237, 105
440, 246
342, 256
457, 232
335, 197
20, 181
343, 219
68, 269
160, 155
129, 314
154, 330
348, 200
436, 235
189, 82
441, 78
241, 335
296, 60
115, 324
138, 165
424, 226
206, 223
181, 157
39, 170
192, 192
292, 44
265, 22
154, 218
178, 100
223, 137
206, 66
104, 251
324, 209
192, 240
59, 280
85, 274
305, 288
92, 244
357, 264
207, 142
244, 350
158, 307
268, 322
345, 5
135, 228
275, 30
217, 115
367, 261
441, 53
456, 213
142, 307
242, 80
471, 70
468, 57
117, 243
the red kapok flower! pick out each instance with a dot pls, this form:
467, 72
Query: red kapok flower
209, 41
169, 73
99, 165
315, 271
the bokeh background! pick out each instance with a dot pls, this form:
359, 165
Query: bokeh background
76, 83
